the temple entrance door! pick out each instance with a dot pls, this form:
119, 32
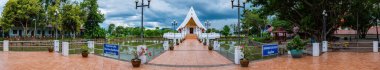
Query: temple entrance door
191, 30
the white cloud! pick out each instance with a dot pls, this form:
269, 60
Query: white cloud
218, 24
162, 12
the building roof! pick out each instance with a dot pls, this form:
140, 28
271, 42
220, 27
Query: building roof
191, 14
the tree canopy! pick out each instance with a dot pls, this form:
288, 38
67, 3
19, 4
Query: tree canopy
21, 13
307, 14
93, 18
226, 30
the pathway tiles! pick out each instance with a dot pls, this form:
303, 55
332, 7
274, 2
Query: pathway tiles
54, 61
190, 53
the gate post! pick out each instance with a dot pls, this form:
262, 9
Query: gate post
375, 46
6, 45
166, 45
238, 54
56, 45
315, 49
91, 46
324, 46
65, 48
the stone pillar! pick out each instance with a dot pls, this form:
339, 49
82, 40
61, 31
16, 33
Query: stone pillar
316, 49
56, 45
238, 54
174, 41
65, 48
375, 46
91, 46
216, 45
166, 45
324, 46
143, 57
207, 41
6, 45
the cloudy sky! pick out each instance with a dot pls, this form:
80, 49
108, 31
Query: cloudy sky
162, 12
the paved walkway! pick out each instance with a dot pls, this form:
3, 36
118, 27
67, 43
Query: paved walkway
186, 57
191, 53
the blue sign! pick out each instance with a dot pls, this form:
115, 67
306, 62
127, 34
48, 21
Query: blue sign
269, 49
111, 49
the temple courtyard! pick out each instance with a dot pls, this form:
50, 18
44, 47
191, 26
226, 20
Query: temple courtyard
189, 55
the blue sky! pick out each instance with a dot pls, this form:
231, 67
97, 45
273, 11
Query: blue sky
163, 12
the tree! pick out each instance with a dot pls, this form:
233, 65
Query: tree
212, 30
307, 14
119, 31
22, 13
226, 30
111, 29
281, 24
93, 17
71, 21
54, 18
252, 22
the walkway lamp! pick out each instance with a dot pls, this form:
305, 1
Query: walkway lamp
56, 26
377, 21
142, 17
207, 24
174, 23
324, 24
34, 28
238, 6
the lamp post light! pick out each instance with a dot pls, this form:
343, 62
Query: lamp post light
324, 25
174, 38
377, 31
142, 17
207, 24
238, 6
56, 26
377, 22
34, 28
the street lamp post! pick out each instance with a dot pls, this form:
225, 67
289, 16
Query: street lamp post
34, 28
324, 25
238, 6
378, 16
207, 23
56, 26
142, 17
174, 38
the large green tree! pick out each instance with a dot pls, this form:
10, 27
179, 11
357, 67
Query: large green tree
22, 13
307, 14
226, 30
71, 18
93, 18
252, 22
111, 29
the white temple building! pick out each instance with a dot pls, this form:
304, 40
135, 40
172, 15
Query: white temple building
191, 28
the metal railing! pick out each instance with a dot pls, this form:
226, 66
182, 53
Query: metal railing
30, 45
154, 47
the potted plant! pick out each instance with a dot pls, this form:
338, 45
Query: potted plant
247, 56
204, 43
171, 48
210, 48
50, 49
296, 47
136, 61
84, 51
